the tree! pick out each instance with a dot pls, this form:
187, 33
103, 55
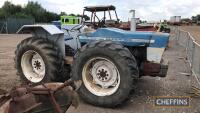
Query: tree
84, 16
21, 15
186, 19
9, 9
31, 10
2, 14
35, 10
196, 18
62, 13
72, 14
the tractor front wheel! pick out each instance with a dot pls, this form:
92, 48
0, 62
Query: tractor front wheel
107, 70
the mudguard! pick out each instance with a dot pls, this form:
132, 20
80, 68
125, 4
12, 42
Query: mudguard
51, 29
46, 31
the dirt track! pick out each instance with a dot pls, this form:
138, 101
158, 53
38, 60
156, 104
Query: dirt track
175, 84
8, 44
194, 31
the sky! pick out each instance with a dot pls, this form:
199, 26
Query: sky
151, 10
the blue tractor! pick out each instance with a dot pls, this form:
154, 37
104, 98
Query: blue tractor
107, 60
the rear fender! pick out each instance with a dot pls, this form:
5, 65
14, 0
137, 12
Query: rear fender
46, 31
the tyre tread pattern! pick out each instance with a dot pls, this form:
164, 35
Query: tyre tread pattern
124, 54
49, 50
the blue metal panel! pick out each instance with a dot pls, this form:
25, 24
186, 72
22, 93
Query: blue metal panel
127, 38
119, 33
161, 40
124, 41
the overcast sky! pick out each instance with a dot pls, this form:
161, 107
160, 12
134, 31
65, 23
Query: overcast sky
145, 9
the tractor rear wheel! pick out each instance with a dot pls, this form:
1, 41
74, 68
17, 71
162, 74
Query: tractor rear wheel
107, 70
38, 60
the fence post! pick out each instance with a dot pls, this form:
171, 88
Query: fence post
187, 45
199, 59
196, 74
193, 48
178, 36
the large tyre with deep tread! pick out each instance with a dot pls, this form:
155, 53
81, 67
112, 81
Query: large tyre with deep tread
120, 57
48, 52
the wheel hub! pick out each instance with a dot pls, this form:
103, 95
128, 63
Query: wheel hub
38, 64
104, 74
33, 66
100, 76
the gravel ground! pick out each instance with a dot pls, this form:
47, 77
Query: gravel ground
194, 30
175, 84
8, 43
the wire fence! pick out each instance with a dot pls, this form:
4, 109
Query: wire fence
185, 39
11, 25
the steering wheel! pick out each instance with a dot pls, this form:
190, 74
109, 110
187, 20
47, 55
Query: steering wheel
77, 27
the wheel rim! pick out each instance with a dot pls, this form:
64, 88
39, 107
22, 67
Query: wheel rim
100, 76
33, 66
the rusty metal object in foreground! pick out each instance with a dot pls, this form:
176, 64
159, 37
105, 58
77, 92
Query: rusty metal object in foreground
49, 97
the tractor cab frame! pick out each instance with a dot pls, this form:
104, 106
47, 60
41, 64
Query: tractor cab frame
96, 21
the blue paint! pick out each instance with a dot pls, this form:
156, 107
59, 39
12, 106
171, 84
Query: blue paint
161, 40
127, 38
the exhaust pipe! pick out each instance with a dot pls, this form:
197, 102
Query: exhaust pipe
133, 21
